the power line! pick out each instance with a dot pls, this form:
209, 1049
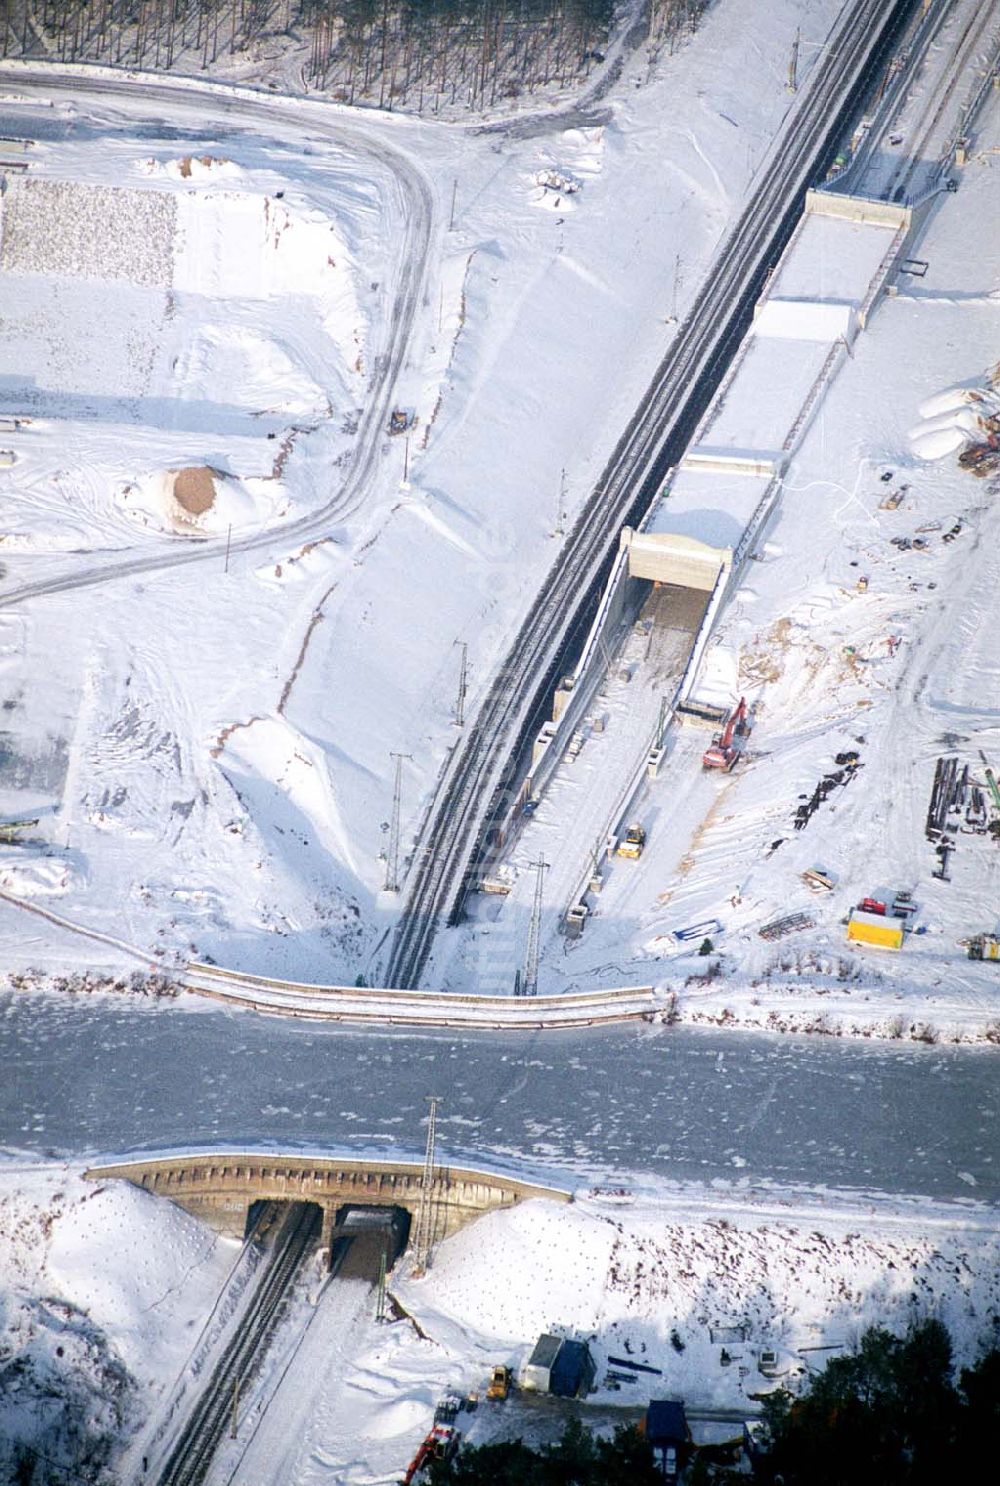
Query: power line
392, 855
380, 1307
424, 1240
560, 530
529, 985
463, 676
793, 66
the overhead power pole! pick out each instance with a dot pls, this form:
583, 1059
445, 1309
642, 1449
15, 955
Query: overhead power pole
380, 1308
529, 984
392, 856
560, 529
463, 677
424, 1240
793, 66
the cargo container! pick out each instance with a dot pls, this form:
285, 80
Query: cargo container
875, 929
538, 1369
558, 1366
572, 1372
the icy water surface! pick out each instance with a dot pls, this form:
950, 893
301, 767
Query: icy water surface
92, 1076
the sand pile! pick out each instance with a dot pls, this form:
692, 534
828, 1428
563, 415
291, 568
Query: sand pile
197, 501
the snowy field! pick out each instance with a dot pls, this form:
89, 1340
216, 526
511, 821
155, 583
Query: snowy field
863, 625
674, 1278
208, 752
198, 317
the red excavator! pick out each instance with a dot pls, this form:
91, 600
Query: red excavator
729, 744
441, 1444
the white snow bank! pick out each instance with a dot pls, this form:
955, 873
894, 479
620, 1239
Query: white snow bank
952, 419
628, 1278
805, 320
247, 368
952, 399
161, 1250
293, 772
101, 1295
936, 443
281, 251
37, 877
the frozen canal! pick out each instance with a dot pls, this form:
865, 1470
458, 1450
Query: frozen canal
91, 1076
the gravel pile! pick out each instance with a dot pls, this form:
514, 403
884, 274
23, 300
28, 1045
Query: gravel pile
88, 232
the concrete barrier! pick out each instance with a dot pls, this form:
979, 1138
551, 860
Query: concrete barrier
380, 1006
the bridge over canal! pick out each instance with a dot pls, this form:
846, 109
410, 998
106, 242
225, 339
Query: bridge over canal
222, 1187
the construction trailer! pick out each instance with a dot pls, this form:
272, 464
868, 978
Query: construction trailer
559, 1366
666, 1428
573, 1371
876, 929
537, 1373
984, 947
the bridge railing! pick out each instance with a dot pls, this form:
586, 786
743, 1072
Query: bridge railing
380, 1005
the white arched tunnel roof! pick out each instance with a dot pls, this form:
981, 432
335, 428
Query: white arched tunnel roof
699, 520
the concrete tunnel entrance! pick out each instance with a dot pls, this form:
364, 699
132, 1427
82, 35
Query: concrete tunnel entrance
363, 1236
673, 614
354, 1237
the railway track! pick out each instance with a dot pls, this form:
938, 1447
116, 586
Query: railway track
478, 777
931, 147
190, 1458
980, 29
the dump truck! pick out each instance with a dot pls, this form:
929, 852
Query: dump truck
633, 842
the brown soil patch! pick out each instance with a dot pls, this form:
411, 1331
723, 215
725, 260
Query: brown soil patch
194, 490
184, 164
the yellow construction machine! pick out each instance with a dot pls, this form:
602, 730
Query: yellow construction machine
499, 1386
632, 843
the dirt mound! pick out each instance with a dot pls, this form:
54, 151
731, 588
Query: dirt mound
187, 161
194, 489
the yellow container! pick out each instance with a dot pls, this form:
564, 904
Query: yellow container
874, 928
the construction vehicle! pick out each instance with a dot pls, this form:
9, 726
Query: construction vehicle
441, 1444
984, 947
399, 420
633, 843
499, 1385
728, 745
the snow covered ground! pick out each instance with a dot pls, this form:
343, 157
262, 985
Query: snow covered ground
206, 745
863, 625
671, 1277
208, 752
103, 1294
